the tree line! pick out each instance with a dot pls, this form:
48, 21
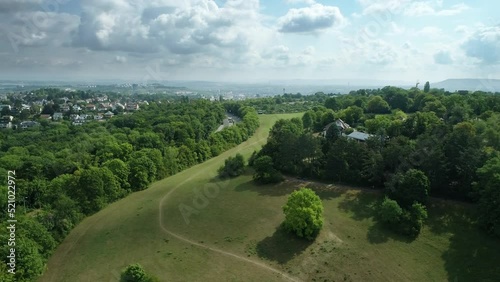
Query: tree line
423, 143
65, 172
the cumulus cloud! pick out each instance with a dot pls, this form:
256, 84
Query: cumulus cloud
309, 50
37, 28
425, 8
443, 58
310, 19
410, 8
484, 45
179, 27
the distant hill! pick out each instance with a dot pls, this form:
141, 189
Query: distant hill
491, 85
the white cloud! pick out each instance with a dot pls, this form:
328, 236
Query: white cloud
310, 19
389, 8
430, 32
310, 50
36, 28
427, 8
187, 28
293, 2
443, 58
484, 45
120, 59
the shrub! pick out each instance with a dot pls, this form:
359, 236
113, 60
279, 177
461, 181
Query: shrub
233, 166
412, 220
135, 273
390, 212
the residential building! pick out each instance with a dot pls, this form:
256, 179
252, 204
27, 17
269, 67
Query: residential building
6, 122
359, 136
341, 125
104, 107
132, 106
28, 124
5, 106
90, 107
108, 114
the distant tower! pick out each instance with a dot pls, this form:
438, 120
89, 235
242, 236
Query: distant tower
418, 82
283, 91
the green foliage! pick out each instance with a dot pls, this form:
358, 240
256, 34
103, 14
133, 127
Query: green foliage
233, 166
427, 87
407, 222
333, 132
292, 150
120, 170
308, 119
303, 213
409, 187
136, 273
377, 105
95, 188
352, 115
489, 196
29, 261
265, 172
142, 173
30, 228
412, 220
390, 212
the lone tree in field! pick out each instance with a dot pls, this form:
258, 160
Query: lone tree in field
304, 213
135, 273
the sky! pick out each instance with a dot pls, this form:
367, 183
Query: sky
249, 40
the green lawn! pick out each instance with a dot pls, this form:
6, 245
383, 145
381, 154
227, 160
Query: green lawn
243, 220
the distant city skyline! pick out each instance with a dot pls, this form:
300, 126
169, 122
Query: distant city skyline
255, 41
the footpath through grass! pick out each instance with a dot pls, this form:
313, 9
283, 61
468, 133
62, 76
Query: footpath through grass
243, 219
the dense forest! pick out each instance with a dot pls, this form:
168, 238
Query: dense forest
421, 143
64, 173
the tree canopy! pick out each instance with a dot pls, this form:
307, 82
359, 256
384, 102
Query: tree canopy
303, 213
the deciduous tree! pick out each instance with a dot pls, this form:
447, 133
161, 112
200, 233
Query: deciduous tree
303, 213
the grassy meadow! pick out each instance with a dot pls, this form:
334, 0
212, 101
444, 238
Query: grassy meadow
194, 227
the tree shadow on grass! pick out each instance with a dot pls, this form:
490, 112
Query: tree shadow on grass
279, 189
378, 233
362, 205
286, 187
282, 246
472, 254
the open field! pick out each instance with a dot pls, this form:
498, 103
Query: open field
193, 227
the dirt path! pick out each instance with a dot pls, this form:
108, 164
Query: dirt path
189, 241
